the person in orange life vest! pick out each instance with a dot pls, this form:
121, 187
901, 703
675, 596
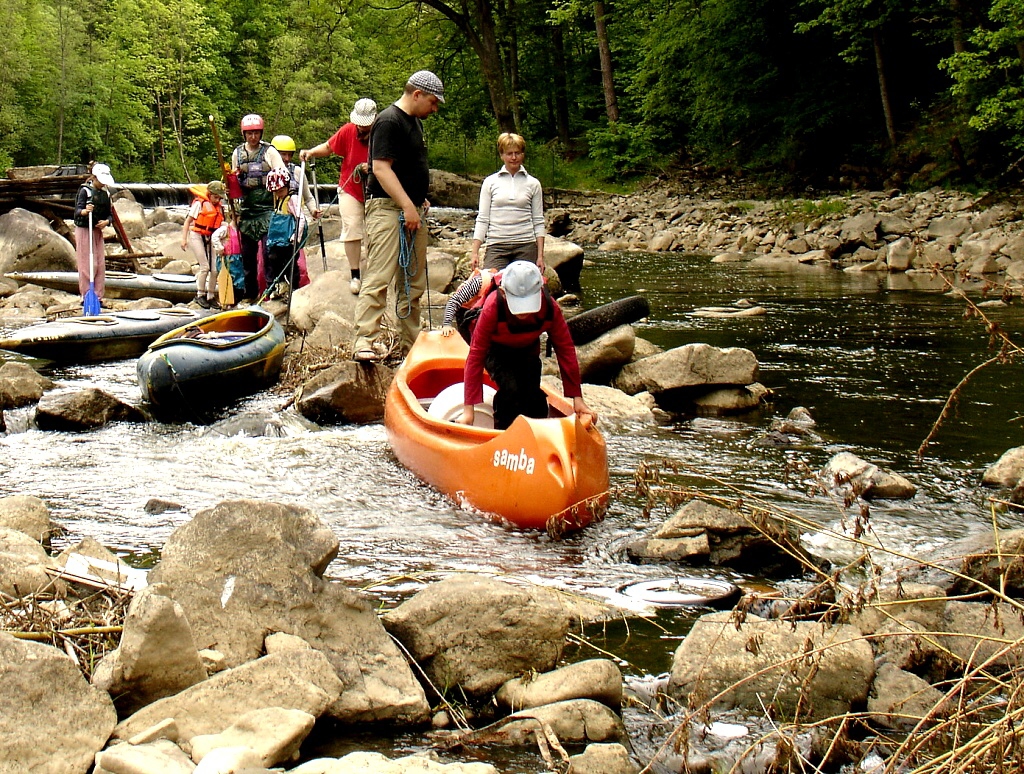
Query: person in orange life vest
205, 215
352, 143
95, 198
506, 341
464, 304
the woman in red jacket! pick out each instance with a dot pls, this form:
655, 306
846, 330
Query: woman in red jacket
506, 340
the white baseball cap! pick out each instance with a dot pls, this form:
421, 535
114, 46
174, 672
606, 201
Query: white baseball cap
522, 283
102, 173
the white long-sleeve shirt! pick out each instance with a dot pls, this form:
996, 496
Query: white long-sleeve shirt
511, 209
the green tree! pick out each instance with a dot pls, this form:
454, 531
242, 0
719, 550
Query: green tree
989, 78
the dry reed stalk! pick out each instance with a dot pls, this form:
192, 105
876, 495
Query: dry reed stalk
976, 727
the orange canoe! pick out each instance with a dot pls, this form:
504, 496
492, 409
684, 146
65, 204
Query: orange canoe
538, 474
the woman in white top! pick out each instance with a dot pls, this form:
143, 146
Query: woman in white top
511, 217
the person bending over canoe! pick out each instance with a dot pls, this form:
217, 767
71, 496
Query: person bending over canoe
506, 340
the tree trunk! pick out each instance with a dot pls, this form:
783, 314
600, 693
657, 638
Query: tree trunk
160, 126
883, 87
959, 38
611, 105
560, 84
484, 42
513, 65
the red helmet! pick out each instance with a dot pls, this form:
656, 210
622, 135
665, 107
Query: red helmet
252, 121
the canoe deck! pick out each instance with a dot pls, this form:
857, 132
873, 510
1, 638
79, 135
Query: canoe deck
549, 474
212, 361
100, 337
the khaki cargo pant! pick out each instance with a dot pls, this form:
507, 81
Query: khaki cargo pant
382, 270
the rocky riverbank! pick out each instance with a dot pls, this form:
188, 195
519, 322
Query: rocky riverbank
236, 648
878, 231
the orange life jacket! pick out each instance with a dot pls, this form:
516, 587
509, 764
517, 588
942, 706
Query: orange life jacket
489, 279
210, 217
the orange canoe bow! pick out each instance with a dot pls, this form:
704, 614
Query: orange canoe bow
538, 474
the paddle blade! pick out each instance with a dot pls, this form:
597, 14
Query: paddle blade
225, 288
90, 302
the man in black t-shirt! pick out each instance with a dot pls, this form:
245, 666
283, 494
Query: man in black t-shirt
396, 192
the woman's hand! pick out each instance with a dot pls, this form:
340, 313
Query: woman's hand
101, 223
583, 410
468, 415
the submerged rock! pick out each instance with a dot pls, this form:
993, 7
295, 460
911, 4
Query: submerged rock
273, 424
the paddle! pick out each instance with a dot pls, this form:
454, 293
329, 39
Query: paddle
225, 287
91, 302
319, 225
292, 279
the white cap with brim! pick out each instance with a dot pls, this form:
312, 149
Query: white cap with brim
522, 283
102, 173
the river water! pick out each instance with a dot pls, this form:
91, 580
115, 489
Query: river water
873, 358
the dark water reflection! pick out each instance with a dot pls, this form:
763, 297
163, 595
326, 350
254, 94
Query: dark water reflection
873, 357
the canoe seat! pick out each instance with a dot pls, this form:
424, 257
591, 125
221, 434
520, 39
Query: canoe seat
449, 403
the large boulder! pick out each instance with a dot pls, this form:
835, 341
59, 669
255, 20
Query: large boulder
332, 332
246, 568
274, 734
440, 270
156, 657
962, 566
602, 358
566, 259
476, 632
27, 514
160, 755
23, 564
52, 720
800, 669
132, 217
702, 531
689, 366
296, 680
27, 243
848, 473
450, 190
598, 679
83, 410
328, 292
347, 392
613, 406
572, 721
1007, 471
21, 385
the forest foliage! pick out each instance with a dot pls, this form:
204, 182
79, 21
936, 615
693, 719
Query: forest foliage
806, 92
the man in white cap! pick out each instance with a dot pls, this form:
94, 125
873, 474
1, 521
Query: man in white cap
506, 341
351, 142
396, 200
